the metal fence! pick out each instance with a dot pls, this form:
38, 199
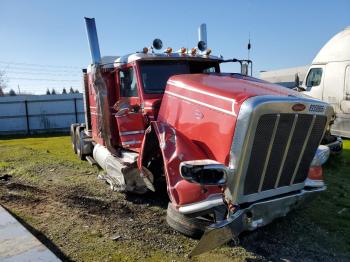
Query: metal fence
40, 114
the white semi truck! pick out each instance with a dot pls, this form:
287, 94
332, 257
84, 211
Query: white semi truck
328, 79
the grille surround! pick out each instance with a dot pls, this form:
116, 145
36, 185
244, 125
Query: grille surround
243, 143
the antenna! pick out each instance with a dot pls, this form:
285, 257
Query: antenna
249, 46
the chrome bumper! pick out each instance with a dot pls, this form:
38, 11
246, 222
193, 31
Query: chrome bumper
256, 215
336, 147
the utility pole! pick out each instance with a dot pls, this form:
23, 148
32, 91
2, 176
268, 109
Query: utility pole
19, 90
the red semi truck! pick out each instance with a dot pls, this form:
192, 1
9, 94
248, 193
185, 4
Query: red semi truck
234, 152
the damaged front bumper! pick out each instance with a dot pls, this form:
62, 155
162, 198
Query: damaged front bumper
256, 215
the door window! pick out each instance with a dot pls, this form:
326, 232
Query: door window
313, 78
128, 83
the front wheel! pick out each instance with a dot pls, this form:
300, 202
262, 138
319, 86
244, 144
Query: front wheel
190, 226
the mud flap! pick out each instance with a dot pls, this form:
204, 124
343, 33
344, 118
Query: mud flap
219, 233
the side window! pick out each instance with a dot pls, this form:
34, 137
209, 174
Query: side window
128, 83
314, 78
347, 83
209, 70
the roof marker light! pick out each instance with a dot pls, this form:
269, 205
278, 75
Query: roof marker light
193, 51
208, 51
183, 50
145, 50
168, 50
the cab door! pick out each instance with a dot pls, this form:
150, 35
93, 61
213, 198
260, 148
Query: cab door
345, 103
129, 117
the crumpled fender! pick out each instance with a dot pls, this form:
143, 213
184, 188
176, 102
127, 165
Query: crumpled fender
175, 148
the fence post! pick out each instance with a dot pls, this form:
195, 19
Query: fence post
27, 116
75, 110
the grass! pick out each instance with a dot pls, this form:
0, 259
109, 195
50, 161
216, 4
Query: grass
63, 203
332, 211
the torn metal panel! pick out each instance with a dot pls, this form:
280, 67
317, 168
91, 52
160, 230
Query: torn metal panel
257, 215
102, 107
121, 173
175, 148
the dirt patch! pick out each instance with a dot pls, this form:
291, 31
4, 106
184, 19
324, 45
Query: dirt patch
24, 187
20, 199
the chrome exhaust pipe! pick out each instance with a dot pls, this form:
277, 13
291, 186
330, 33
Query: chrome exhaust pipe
202, 33
93, 40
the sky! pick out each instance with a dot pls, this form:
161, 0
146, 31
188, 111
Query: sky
43, 44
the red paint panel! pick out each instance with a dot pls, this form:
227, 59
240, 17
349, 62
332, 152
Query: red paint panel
131, 129
209, 129
177, 148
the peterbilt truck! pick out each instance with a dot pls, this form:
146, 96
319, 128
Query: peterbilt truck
233, 152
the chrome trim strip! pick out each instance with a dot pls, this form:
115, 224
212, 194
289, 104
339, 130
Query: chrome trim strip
210, 202
314, 183
202, 103
126, 133
184, 86
286, 150
267, 159
132, 142
303, 149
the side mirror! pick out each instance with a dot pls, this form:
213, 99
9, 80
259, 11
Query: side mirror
244, 69
204, 172
296, 80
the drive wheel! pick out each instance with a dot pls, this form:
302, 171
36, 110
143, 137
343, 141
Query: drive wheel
72, 136
190, 226
79, 142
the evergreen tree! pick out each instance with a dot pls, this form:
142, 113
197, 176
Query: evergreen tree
71, 91
64, 91
12, 93
48, 92
53, 92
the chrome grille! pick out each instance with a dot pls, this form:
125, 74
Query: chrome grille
282, 150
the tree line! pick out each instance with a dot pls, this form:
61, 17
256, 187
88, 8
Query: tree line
11, 92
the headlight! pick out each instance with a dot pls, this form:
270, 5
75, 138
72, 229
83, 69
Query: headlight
205, 172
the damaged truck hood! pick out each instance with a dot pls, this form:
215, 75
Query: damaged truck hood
234, 86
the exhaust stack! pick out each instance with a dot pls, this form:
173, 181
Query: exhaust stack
93, 40
202, 33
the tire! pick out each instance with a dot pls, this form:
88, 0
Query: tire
78, 144
193, 227
72, 136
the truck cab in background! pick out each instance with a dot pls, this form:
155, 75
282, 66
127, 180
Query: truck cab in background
328, 79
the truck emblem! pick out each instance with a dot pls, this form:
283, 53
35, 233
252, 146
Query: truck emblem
298, 107
317, 108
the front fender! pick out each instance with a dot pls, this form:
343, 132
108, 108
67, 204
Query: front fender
175, 148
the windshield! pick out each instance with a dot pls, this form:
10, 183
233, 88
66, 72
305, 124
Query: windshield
155, 74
